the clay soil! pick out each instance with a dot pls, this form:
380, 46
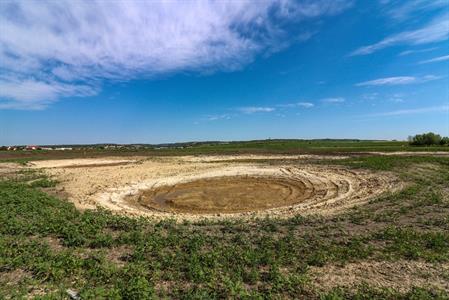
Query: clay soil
225, 195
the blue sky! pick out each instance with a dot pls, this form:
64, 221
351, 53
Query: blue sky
154, 72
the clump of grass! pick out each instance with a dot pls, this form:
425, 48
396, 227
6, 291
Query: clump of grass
409, 243
43, 183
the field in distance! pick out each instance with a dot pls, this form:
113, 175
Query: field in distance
326, 146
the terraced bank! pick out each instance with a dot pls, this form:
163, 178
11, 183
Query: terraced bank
249, 190
210, 187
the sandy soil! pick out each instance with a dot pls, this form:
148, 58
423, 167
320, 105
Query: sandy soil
218, 158
412, 153
103, 182
85, 162
8, 168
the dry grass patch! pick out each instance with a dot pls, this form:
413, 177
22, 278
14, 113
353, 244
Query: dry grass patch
400, 275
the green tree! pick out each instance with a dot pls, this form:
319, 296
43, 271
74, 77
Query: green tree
444, 141
425, 139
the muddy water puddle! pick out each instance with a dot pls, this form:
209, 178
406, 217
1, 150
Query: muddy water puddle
228, 194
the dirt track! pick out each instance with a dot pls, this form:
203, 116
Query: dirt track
215, 187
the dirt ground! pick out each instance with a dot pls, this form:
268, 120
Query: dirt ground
192, 187
9, 170
400, 275
227, 194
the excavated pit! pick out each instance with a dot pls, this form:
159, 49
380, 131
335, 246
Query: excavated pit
210, 187
229, 194
252, 190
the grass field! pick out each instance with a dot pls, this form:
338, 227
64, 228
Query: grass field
47, 246
256, 147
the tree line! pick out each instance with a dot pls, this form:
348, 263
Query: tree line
428, 139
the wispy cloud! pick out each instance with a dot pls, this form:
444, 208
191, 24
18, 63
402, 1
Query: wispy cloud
370, 96
297, 104
218, 117
443, 108
408, 52
397, 98
404, 10
305, 104
435, 31
374, 98
74, 43
35, 95
255, 109
280, 110
399, 80
334, 100
436, 59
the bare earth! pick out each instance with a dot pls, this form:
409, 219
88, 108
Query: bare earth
400, 275
191, 187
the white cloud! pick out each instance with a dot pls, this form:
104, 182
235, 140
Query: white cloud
436, 59
297, 104
399, 80
68, 42
435, 31
408, 52
374, 98
218, 117
443, 108
389, 81
33, 94
333, 100
404, 10
305, 104
255, 109
269, 109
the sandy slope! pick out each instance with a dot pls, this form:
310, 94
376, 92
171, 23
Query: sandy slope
116, 183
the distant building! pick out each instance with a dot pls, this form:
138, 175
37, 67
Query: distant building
31, 147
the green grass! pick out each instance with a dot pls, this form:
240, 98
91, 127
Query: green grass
43, 183
105, 256
366, 292
244, 147
388, 163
